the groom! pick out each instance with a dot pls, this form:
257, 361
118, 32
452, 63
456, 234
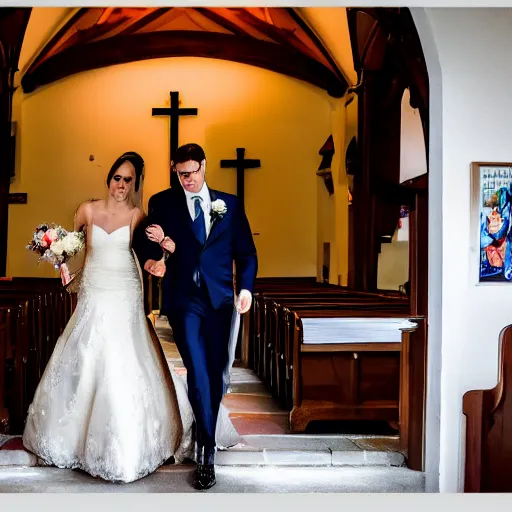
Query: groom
210, 231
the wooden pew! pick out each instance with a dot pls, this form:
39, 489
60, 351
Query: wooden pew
286, 285
18, 312
5, 327
289, 366
280, 353
258, 345
264, 337
364, 379
488, 429
34, 313
273, 315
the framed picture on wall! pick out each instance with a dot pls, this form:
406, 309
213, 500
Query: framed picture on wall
491, 217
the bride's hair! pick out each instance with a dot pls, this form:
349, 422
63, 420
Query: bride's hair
135, 159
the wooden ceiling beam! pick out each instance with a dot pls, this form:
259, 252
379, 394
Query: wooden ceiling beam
122, 49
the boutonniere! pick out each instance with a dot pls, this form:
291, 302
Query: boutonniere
219, 209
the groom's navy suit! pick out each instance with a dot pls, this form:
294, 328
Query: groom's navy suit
200, 316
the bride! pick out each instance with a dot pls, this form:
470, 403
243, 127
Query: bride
108, 402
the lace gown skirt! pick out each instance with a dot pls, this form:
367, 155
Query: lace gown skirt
107, 402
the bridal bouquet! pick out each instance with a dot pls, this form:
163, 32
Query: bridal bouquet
56, 246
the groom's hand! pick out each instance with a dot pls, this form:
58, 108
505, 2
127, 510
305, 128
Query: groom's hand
155, 268
244, 301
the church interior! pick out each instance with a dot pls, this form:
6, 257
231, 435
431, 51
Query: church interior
318, 119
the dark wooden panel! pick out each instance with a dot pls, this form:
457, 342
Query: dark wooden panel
379, 376
327, 376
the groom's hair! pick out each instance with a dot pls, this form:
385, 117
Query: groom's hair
188, 152
135, 159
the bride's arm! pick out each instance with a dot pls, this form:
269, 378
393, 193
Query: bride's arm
82, 216
157, 268
138, 217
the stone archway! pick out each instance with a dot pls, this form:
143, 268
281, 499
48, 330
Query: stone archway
435, 246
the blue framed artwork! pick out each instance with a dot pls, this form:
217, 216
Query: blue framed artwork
492, 198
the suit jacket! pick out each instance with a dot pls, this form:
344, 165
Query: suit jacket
230, 239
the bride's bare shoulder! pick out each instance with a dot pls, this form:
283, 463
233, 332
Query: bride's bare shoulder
85, 213
91, 205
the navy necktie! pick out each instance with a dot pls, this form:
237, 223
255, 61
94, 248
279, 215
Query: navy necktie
198, 224
200, 232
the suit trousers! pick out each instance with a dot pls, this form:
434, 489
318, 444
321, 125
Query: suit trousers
201, 334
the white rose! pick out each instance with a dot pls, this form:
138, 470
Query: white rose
68, 244
219, 206
57, 248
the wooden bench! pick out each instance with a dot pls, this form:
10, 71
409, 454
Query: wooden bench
267, 303
266, 343
5, 327
279, 347
33, 314
358, 374
489, 429
341, 381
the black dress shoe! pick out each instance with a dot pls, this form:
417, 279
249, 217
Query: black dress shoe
205, 472
205, 477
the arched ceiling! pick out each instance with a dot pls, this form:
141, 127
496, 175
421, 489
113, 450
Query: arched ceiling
284, 40
331, 26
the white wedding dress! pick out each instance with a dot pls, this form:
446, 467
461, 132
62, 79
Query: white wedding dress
108, 403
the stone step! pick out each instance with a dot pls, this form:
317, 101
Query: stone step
260, 450
305, 458
255, 388
260, 423
251, 403
306, 450
298, 442
12, 453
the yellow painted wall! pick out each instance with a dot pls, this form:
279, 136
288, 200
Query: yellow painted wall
333, 210
393, 264
105, 112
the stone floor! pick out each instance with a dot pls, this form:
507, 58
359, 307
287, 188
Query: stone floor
229, 480
269, 459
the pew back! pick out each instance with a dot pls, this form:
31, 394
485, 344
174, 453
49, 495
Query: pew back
33, 314
489, 429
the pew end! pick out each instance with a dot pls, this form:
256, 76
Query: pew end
364, 381
489, 428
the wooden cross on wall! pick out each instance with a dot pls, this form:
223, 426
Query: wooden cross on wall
174, 113
240, 164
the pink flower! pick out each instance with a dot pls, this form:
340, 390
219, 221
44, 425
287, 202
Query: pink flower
49, 237
52, 233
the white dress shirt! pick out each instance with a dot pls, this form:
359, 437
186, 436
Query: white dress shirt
206, 205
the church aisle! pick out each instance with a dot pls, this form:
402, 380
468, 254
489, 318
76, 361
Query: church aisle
264, 427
